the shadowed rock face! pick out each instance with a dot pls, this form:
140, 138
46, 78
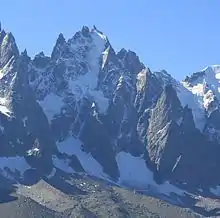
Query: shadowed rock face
175, 145
108, 101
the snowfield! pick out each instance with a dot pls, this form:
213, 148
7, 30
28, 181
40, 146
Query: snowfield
72, 146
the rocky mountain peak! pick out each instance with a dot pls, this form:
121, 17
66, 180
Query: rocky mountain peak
60, 40
130, 60
88, 107
85, 31
205, 85
8, 48
2, 35
59, 46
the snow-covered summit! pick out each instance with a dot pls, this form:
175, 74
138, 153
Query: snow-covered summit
74, 68
205, 84
209, 76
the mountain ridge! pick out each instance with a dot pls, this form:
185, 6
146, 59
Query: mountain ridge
87, 108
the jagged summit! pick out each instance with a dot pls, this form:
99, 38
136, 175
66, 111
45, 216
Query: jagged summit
61, 39
209, 71
24, 53
205, 84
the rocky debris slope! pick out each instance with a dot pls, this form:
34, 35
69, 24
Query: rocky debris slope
82, 196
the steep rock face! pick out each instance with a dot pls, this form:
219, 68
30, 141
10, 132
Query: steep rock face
148, 90
174, 144
23, 122
163, 126
8, 48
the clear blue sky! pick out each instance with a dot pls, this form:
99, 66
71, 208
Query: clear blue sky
181, 36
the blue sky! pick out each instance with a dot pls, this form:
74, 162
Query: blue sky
181, 36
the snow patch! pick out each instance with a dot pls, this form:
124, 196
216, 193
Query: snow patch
52, 174
25, 120
134, 172
6, 68
62, 164
105, 57
100, 34
217, 76
72, 146
2, 128
85, 86
33, 152
179, 121
10, 165
215, 191
188, 98
3, 109
52, 105
208, 98
19, 141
